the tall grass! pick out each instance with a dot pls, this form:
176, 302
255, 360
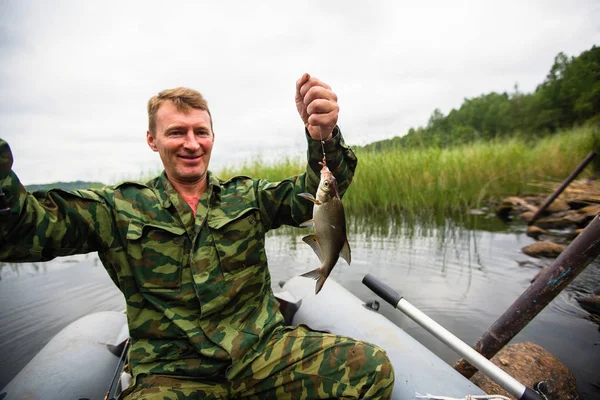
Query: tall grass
449, 181
258, 168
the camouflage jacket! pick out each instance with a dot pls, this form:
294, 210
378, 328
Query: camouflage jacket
197, 289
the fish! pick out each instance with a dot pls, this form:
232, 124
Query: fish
329, 240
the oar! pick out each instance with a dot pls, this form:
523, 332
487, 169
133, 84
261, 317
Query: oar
509, 383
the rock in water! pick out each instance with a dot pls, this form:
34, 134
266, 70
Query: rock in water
535, 231
529, 363
544, 249
590, 304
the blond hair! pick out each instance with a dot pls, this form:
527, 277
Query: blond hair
184, 100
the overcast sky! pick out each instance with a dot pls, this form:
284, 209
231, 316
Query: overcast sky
75, 76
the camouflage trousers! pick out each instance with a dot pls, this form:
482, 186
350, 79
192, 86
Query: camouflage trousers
298, 363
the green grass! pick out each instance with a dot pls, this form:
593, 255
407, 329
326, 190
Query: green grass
258, 168
449, 181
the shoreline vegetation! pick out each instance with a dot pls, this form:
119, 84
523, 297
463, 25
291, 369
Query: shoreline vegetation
449, 181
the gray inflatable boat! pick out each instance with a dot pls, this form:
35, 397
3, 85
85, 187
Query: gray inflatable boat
81, 360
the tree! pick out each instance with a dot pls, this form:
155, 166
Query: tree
570, 94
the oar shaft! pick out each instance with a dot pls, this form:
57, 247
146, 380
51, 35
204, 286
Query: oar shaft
563, 186
509, 383
495, 373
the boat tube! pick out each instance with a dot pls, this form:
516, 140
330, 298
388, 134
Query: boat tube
78, 363
81, 360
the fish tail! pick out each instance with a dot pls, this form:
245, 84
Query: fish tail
318, 275
320, 283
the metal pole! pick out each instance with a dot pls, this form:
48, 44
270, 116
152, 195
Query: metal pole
578, 255
562, 187
509, 383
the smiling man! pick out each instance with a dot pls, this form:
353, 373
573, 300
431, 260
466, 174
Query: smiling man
187, 251
180, 130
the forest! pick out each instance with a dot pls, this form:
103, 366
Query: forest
569, 96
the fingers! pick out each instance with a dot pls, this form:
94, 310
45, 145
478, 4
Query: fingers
321, 106
326, 121
322, 110
300, 106
306, 85
317, 106
319, 93
299, 83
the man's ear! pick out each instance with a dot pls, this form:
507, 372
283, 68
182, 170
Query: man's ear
151, 141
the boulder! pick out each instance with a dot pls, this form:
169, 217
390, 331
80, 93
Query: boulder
526, 216
582, 216
503, 210
590, 304
544, 249
592, 210
578, 219
571, 235
529, 364
560, 220
557, 205
535, 231
513, 203
577, 204
589, 212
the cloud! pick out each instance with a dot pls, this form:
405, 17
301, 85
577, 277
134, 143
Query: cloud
76, 76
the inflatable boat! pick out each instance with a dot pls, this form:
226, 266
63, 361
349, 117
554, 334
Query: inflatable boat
81, 361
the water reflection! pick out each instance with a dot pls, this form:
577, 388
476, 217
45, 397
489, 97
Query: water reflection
441, 256
23, 270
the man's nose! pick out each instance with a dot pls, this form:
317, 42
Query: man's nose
190, 141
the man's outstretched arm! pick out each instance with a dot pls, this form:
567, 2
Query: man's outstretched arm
42, 226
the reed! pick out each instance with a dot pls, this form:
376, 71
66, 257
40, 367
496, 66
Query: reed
259, 168
448, 181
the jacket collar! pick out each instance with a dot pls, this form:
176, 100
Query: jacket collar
164, 189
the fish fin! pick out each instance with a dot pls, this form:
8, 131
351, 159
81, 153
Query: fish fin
316, 274
307, 224
320, 283
311, 240
345, 252
310, 197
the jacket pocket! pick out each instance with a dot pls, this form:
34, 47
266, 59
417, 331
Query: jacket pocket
239, 241
156, 254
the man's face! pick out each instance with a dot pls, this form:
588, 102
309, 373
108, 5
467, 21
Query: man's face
184, 142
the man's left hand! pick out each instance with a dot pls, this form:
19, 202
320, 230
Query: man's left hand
317, 106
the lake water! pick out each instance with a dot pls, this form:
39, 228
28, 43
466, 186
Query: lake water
463, 275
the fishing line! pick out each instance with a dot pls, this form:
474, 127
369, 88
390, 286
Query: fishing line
323, 149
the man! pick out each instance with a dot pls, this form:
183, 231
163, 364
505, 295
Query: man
187, 251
